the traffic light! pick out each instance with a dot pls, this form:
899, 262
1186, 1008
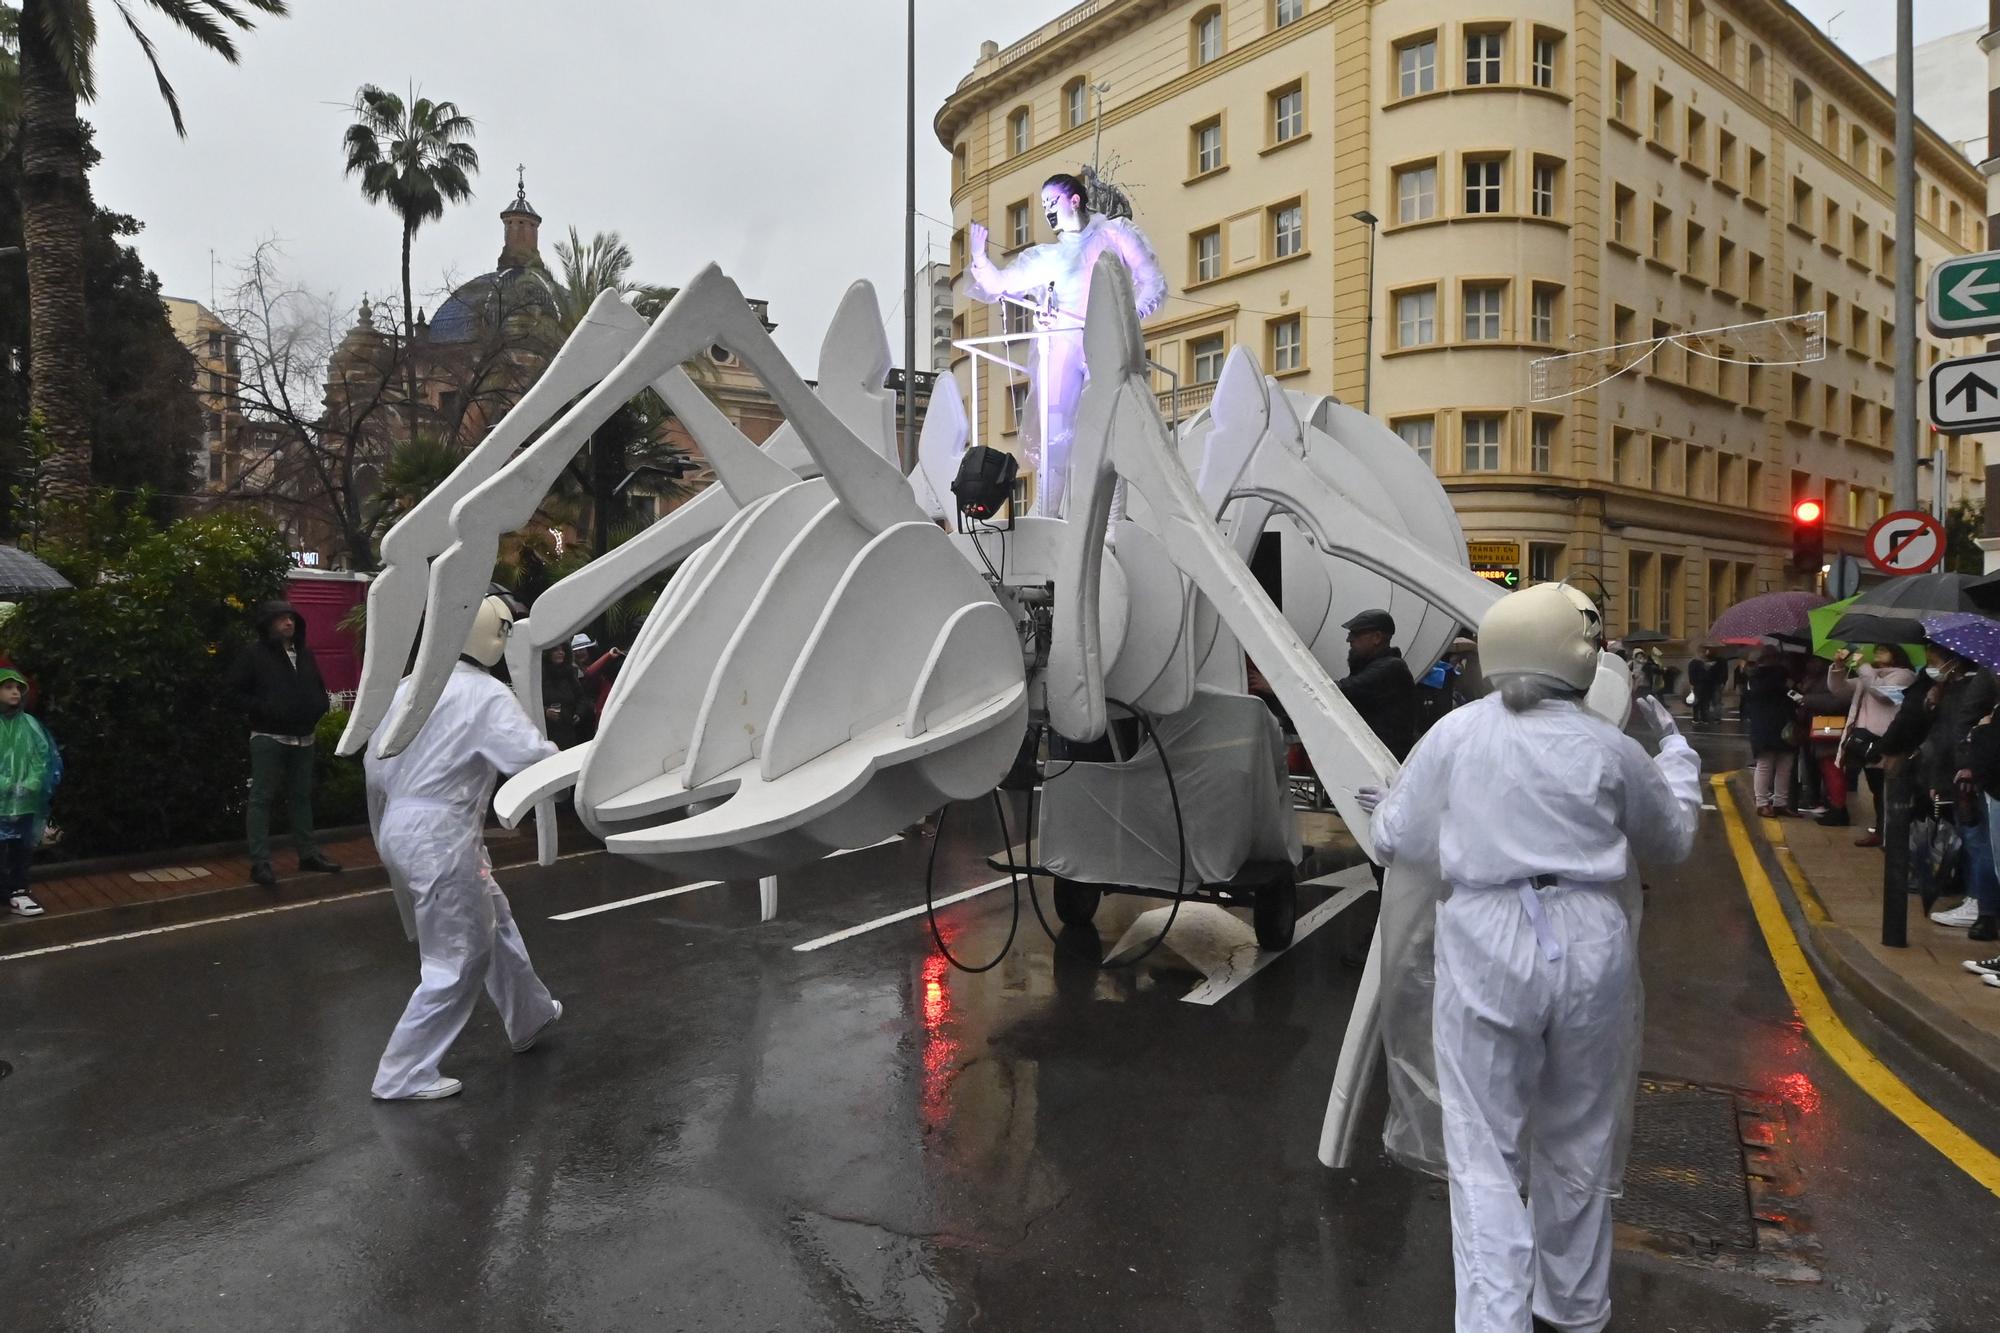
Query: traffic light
1808, 536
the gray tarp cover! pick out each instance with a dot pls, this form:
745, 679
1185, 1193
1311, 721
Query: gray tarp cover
1114, 823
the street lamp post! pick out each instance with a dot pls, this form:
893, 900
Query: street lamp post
1368, 334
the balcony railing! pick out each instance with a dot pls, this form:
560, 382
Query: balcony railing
1053, 29
1180, 404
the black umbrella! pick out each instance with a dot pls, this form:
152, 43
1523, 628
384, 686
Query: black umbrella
22, 575
1918, 595
1646, 636
1861, 626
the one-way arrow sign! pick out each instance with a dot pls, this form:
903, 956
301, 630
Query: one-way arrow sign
1964, 295
1965, 394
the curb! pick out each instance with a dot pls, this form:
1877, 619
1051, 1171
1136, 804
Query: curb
1839, 957
24, 935
105, 865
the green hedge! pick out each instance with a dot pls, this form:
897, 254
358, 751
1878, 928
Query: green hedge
128, 669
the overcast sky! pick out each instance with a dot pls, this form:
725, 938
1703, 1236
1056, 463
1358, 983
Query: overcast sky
766, 137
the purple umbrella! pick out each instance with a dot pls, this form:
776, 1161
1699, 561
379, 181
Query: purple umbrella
1766, 614
1968, 634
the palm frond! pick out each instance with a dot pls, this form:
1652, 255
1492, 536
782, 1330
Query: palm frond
167, 93
70, 33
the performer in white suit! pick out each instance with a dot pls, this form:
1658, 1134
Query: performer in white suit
1055, 279
1535, 809
427, 806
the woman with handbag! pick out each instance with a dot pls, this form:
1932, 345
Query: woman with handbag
1875, 691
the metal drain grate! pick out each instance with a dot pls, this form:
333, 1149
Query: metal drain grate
1686, 1180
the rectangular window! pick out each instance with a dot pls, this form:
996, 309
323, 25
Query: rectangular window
1670, 594
1482, 311
1288, 114
1208, 255
1288, 230
1725, 158
1077, 104
1542, 444
1543, 194
1725, 263
1017, 225
1663, 118
1623, 82
1208, 355
1482, 58
1017, 399
1416, 317
1542, 314
1420, 433
1622, 200
1017, 132
1016, 317
1663, 234
1482, 442
1753, 278
1544, 562
1545, 60
1802, 203
1697, 139
1287, 11
1482, 185
1416, 193
1416, 67
1208, 37
1696, 251
1287, 350
1208, 146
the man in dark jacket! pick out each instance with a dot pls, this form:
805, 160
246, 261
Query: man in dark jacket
277, 684
1378, 681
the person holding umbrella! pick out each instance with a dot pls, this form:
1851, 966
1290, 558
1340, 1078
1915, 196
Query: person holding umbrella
1973, 642
1768, 708
1874, 690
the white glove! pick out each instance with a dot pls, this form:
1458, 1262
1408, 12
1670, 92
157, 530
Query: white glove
1656, 712
1369, 797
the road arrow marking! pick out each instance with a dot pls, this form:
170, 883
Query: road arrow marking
1971, 386
1969, 289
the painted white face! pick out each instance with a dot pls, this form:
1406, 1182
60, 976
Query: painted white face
1060, 209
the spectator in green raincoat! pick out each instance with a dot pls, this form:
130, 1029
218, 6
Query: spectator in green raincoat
30, 768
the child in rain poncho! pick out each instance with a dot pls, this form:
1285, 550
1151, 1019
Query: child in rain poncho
30, 768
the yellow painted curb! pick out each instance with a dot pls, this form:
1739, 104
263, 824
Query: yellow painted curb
1833, 1036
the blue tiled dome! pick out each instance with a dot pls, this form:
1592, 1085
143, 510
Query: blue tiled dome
508, 293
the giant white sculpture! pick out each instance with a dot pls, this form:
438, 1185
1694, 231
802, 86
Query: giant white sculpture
826, 664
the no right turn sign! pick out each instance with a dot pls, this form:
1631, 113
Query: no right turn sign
1908, 541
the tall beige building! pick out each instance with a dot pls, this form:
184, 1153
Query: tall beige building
217, 363
1548, 176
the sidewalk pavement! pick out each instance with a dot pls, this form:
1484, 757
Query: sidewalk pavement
1922, 992
113, 895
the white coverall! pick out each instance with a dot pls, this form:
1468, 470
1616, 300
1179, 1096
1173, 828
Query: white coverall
428, 805
1536, 1012
1064, 266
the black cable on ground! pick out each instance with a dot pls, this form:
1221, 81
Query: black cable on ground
930, 905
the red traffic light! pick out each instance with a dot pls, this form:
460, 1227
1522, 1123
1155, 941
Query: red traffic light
1808, 511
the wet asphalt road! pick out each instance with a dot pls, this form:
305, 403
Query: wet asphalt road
727, 1134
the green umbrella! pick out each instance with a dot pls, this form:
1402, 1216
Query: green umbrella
1823, 619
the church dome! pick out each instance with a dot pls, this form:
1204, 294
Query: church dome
504, 296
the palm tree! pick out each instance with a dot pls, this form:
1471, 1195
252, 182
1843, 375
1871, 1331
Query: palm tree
413, 156
57, 44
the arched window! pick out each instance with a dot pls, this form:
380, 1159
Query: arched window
1205, 35
1076, 102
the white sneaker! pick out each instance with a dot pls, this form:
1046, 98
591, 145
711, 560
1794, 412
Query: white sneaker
444, 1087
1959, 917
1983, 967
24, 904
528, 1043
1991, 980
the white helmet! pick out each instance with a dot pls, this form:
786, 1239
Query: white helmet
487, 643
1548, 630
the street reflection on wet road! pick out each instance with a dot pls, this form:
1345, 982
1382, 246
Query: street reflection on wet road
725, 1133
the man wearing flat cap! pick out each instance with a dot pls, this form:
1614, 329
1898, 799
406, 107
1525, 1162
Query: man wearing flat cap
1378, 683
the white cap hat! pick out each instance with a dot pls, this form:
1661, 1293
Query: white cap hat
491, 626
1550, 629
581, 641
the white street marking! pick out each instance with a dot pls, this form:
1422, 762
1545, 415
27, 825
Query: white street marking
894, 917
186, 925
1216, 987
633, 902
